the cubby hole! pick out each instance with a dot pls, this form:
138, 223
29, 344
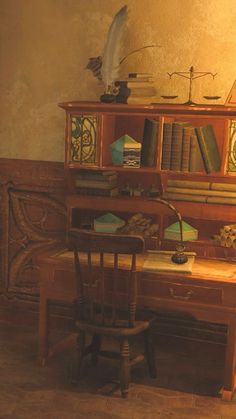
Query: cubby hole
84, 218
115, 126
206, 245
220, 127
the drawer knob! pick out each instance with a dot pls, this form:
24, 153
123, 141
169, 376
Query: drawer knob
180, 297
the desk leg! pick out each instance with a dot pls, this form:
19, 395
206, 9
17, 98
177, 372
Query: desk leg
230, 362
43, 331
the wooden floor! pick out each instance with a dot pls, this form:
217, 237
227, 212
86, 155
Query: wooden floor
186, 388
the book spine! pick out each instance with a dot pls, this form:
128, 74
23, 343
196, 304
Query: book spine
133, 83
176, 147
135, 100
196, 163
97, 191
203, 149
100, 173
214, 186
166, 146
149, 142
97, 178
140, 75
209, 148
95, 183
185, 149
188, 184
221, 200
201, 192
134, 92
184, 197
223, 186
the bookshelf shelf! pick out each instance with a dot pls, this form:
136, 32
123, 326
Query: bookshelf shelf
92, 127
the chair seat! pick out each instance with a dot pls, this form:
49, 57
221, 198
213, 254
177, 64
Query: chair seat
120, 329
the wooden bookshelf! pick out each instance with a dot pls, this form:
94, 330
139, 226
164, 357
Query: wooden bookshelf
101, 124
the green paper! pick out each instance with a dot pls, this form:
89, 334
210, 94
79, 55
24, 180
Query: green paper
117, 148
108, 223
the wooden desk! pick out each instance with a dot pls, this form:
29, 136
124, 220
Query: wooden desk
209, 294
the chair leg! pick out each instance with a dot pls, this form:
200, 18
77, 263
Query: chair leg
124, 367
150, 354
96, 344
77, 362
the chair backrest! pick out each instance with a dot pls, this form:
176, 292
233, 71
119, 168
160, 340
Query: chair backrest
105, 267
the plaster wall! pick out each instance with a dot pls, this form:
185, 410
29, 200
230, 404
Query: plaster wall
45, 46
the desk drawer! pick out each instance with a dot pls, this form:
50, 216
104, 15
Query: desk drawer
181, 292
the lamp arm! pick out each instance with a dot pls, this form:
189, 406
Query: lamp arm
179, 257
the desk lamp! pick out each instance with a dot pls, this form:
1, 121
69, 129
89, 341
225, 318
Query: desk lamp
179, 256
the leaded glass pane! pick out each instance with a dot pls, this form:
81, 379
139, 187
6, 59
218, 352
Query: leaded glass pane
84, 139
231, 165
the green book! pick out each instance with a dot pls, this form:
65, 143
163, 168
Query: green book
196, 163
209, 148
149, 142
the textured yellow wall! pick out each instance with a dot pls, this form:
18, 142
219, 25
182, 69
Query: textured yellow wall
45, 46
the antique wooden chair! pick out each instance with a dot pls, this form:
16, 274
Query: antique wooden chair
106, 304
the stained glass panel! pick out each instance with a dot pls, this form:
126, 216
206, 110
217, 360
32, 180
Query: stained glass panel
84, 139
231, 164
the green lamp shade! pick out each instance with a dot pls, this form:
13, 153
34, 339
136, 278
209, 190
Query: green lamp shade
108, 223
173, 232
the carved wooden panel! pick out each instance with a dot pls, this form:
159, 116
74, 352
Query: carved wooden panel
32, 217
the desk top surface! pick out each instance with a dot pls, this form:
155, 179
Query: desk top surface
210, 269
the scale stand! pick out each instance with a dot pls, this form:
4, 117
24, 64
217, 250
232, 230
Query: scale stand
192, 75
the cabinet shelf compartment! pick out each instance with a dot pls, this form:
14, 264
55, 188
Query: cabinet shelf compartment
205, 245
116, 126
84, 218
132, 178
175, 136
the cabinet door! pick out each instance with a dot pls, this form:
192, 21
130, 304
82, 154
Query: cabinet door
82, 143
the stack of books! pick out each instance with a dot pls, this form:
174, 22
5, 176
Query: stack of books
97, 182
138, 88
201, 191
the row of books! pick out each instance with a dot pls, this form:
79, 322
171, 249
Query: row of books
138, 88
189, 149
201, 191
184, 147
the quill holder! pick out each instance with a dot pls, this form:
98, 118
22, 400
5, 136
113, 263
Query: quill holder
110, 95
108, 98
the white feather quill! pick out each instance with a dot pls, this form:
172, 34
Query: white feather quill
111, 53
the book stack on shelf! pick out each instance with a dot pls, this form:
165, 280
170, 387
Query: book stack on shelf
138, 88
189, 149
202, 191
96, 182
